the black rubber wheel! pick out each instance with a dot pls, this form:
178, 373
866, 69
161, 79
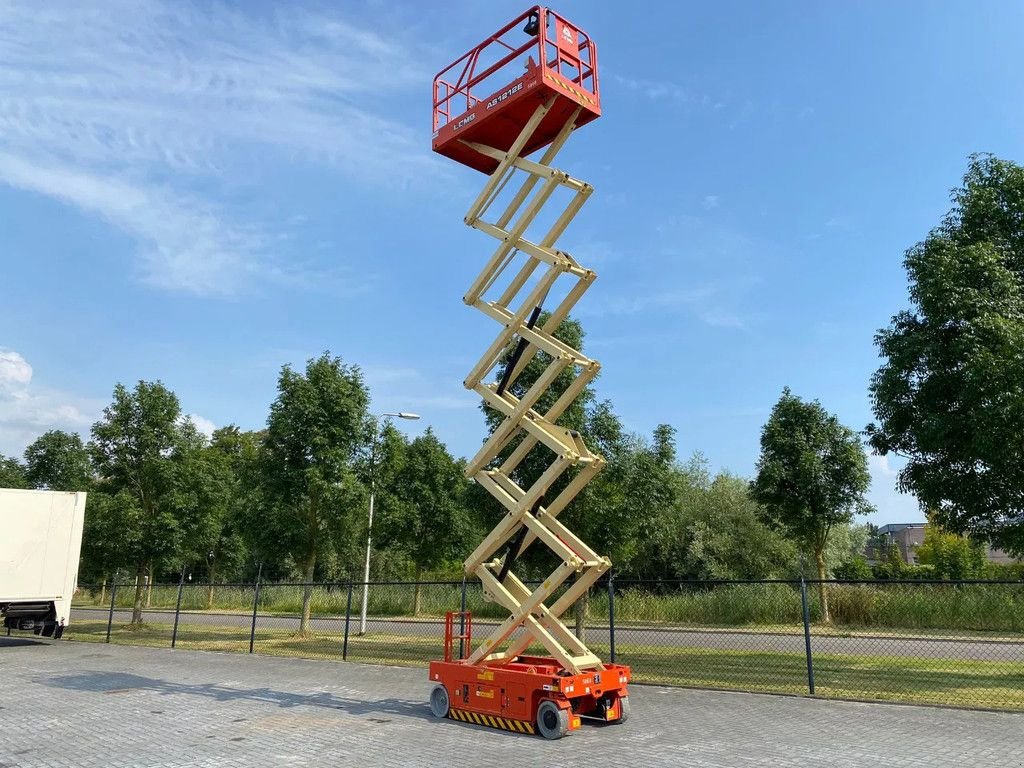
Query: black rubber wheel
439, 703
552, 722
623, 709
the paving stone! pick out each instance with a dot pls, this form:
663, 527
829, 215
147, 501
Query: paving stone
80, 704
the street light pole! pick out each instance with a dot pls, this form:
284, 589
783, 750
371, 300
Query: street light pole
369, 526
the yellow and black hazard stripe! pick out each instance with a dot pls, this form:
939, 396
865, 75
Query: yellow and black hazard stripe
580, 95
491, 721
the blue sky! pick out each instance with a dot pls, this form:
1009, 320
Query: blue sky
201, 193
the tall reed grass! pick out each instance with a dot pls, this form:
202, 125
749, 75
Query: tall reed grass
932, 606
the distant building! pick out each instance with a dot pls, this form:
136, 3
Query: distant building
907, 537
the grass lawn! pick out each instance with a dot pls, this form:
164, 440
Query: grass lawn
995, 685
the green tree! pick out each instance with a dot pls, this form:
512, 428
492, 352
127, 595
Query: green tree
592, 516
693, 525
811, 476
12, 473
433, 524
891, 564
236, 452
203, 499
309, 488
379, 466
950, 395
138, 448
110, 537
845, 544
950, 555
725, 535
58, 461
667, 493
574, 417
629, 510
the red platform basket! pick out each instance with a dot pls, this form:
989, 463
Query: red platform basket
490, 93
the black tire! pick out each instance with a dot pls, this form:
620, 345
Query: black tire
623, 709
552, 722
439, 702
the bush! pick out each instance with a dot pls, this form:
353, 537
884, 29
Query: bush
1004, 571
856, 569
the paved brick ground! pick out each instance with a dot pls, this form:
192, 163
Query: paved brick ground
84, 705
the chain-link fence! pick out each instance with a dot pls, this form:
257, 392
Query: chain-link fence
952, 643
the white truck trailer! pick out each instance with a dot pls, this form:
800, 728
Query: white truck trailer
40, 543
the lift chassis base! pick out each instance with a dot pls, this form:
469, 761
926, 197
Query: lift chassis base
534, 694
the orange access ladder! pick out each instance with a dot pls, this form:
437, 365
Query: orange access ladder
524, 89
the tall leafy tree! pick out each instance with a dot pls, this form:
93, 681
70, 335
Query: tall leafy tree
234, 453
950, 555
662, 490
573, 417
622, 511
12, 473
111, 535
812, 475
950, 395
310, 490
203, 495
378, 467
58, 461
539, 459
593, 515
138, 448
725, 535
847, 544
432, 522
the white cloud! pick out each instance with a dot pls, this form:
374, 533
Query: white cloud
839, 222
710, 303
27, 410
15, 372
678, 298
142, 113
710, 201
397, 387
721, 318
203, 424
184, 245
881, 468
663, 90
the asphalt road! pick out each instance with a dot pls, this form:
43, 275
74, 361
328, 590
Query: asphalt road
875, 645
82, 705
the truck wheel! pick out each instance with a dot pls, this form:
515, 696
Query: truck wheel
552, 721
439, 703
623, 709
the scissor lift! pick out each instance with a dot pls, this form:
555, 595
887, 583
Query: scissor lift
526, 88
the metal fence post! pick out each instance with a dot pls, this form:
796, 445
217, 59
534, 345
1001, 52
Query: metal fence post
348, 619
110, 616
462, 621
255, 607
177, 608
807, 635
611, 616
